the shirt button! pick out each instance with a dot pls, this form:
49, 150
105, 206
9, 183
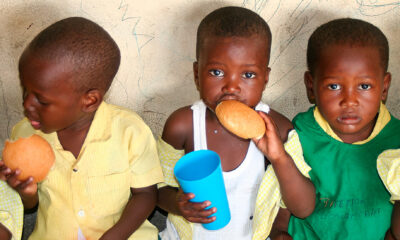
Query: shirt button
81, 213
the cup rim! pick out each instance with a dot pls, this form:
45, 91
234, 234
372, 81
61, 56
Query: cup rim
194, 158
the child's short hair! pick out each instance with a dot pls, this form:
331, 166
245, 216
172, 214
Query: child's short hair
91, 51
232, 22
353, 32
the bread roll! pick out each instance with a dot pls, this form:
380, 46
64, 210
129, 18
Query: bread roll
33, 156
240, 119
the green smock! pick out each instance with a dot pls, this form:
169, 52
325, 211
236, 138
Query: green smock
351, 200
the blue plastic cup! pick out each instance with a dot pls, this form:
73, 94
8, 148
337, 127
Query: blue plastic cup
199, 172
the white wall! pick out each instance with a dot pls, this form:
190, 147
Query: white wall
157, 41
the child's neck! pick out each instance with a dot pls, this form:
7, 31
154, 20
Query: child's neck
231, 149
72, 138
352, 138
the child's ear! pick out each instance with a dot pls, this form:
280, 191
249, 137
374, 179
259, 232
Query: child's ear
196, 74
386, 84
308, 81
92, 100
266, 77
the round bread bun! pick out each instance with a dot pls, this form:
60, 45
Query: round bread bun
240, 119
33, 156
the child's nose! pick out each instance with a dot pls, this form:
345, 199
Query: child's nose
28, 102
350, 98
232, 85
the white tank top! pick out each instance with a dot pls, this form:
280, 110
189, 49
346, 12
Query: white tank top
241, 184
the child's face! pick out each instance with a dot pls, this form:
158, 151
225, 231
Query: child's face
232, 68
348, 85
50, 101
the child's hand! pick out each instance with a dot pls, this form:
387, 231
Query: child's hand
194, 212
26, 189
270, 144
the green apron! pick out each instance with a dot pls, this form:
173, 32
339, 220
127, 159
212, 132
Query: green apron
351, 200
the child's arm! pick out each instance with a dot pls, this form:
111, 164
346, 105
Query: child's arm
177, 129
138, 208
27, 189
279, 230
297, 191
394, 230
4, 233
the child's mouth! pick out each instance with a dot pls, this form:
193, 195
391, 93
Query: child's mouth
35, 124
349, 119
228, 97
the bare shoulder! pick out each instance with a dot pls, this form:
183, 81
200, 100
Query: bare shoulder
178, 127
283, 124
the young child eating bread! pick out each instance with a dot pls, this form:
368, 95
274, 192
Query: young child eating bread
232, 55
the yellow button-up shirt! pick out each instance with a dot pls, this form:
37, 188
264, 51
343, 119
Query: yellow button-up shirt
90, 192
11, 210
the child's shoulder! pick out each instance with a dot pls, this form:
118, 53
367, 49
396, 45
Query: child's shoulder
178, 127
282, 123
122, 117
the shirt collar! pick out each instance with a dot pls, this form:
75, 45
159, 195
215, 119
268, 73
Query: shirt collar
100, 128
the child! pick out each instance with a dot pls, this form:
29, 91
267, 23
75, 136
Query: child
232, 52
341, 136
11, 213
103, 182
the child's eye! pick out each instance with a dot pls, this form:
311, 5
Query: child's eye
249, 75
216, 72
365, 86
42, 102
334, 86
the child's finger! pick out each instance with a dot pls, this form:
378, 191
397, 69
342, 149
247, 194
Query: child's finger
200, 216
201, 220
27, 188
25, 183
206, 213
4, 172
3, 166
12, 179
192, 211
271, 131
184, 197
198, 206
190, 208
269, 123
